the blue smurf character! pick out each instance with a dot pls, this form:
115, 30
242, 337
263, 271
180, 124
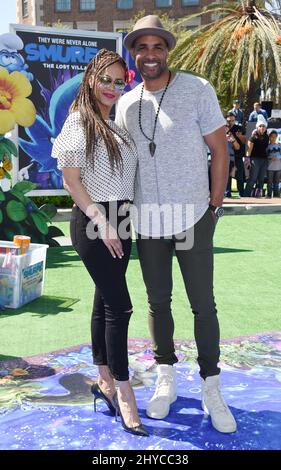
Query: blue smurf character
10, 58
42, 134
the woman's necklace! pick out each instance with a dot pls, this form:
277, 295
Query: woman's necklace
152, 145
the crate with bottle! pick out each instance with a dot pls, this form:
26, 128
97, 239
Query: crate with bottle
21, 275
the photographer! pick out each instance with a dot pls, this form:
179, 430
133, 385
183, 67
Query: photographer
233, 146
238, 133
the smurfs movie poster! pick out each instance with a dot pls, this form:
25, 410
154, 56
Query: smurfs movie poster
53, 61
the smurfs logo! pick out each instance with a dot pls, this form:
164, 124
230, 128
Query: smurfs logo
10, 58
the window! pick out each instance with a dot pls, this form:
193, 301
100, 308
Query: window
63, 5
88, 25
125, 4
189, 3
87, 5
121, 26
164, 3
24, 4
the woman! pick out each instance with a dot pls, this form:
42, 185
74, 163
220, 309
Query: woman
257, 156
98, 161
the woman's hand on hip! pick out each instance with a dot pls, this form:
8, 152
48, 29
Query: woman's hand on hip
111, 240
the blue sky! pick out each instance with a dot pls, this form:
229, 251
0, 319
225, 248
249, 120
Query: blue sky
7, 15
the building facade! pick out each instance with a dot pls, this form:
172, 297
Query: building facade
30, 12
103, 15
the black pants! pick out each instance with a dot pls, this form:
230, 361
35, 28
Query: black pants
112, 306
196, 266
240, 175
238, 163
257, 174
229, 181
273, 180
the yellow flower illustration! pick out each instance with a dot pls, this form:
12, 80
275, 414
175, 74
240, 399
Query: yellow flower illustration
2, 173
15, 108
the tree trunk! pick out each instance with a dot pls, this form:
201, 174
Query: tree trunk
250, 3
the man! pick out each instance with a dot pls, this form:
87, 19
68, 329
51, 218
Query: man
257, 111
239, 135
237, 111
169, 117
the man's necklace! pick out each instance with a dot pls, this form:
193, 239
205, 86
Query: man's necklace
152, 145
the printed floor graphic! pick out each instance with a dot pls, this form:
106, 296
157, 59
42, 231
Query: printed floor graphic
46, 402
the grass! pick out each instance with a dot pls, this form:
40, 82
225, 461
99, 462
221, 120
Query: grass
247, 273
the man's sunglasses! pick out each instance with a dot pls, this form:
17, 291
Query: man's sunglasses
107, 81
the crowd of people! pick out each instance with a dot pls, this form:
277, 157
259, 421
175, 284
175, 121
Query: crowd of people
256, 160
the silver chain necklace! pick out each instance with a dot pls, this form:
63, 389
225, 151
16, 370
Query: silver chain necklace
152, 145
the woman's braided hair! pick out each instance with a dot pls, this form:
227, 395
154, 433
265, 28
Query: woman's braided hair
91, 118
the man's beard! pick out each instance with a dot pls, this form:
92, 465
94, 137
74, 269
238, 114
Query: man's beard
161, 69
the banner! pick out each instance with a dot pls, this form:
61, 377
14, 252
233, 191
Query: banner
53, 60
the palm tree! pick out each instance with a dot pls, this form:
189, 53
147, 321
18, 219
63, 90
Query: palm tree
238, 51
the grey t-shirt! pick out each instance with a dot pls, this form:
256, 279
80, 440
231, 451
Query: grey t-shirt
172, 188
274, 150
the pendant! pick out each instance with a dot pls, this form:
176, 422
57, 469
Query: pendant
152, 148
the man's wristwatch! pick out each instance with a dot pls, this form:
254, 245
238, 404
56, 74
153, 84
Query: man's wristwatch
218, 211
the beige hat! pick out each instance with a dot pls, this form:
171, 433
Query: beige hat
149, 25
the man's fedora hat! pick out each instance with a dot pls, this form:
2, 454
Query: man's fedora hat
152, 26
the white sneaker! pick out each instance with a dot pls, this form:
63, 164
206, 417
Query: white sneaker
214, 405
165, 394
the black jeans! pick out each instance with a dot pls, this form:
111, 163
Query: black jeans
238, 163
257, 174
196, 266
112, 306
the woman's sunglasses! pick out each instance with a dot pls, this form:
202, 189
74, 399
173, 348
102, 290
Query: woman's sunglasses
107, 81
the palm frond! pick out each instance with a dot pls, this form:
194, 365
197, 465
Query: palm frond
244, 44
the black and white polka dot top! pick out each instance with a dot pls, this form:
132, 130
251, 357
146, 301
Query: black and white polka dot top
100, 182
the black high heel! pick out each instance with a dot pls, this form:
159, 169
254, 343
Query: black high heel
138, 430
98, 393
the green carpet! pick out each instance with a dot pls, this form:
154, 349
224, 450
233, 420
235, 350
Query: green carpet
247, 273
